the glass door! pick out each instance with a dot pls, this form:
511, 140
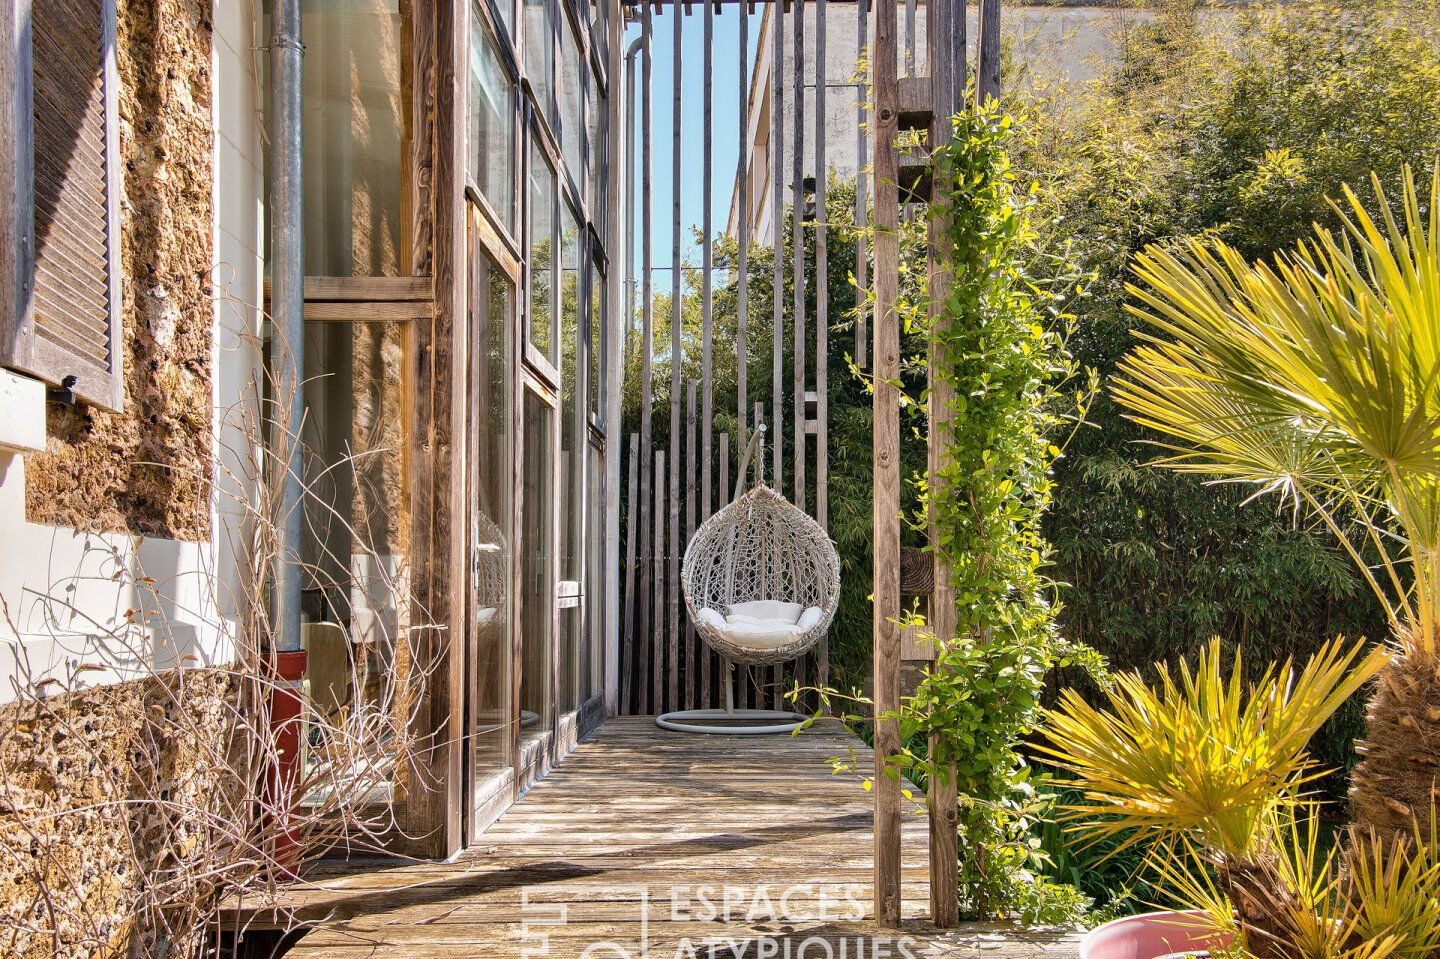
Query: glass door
492, 319
538, 571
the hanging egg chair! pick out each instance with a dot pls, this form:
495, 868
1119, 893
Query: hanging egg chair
761, 581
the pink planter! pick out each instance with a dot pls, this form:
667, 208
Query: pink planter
1151, 936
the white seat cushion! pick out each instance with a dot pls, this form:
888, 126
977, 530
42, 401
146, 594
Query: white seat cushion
756, 632
761, 635
772, 610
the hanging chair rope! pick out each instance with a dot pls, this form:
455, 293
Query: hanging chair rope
760, 548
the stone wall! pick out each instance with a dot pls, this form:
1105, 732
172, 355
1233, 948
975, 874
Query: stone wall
145, 470
104, 799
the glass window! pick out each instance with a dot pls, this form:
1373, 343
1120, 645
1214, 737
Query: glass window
597, 344
570, 98
572, 455
539, 53
354, 137
492, 299
537, 544
507, 15
355, 550
598, 125
594, 579
543, 203
492, 121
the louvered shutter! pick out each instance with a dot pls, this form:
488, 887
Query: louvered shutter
66, 205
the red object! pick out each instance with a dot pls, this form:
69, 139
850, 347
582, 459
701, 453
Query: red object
286, 723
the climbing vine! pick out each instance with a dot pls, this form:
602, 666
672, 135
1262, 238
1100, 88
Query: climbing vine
999, 345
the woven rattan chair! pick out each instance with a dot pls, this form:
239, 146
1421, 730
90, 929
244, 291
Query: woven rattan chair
761, 581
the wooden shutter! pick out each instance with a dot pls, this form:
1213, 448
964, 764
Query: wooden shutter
65, 210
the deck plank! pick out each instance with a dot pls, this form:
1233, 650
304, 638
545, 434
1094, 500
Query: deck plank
614, 846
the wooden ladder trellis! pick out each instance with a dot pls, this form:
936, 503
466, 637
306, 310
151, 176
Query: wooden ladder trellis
662, 666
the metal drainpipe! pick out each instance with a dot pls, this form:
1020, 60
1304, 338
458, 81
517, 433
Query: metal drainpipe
287, 304
287, 315
629, 202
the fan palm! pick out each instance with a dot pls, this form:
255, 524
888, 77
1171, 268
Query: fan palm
1316, 377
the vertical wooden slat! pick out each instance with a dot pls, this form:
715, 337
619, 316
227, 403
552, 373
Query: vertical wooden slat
707, 265
886, 430
910, 37
822, 319
707, 655
862, 208
742, 179
987, 72
672, 687
797, 284
613, 56
777, 221
657, 648
648, 628
941, 789
748, 681
691, 673
797, 258
627, 658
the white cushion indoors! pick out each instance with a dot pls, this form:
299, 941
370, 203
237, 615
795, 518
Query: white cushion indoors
769, 609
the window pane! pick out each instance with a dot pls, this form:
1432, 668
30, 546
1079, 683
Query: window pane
542, 242
594, 579
492, 121
492, 298
355, 551
598, 126
570, 98
572, 454
354, 135
539, 55
597, 345
537, 544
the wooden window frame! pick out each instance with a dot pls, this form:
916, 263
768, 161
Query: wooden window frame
21, 348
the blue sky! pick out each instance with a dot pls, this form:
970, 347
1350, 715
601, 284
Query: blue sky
725, 118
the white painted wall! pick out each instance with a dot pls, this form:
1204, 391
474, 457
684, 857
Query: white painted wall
70, 599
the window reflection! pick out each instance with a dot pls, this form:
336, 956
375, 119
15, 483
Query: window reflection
543, 203
492, 121
354, 137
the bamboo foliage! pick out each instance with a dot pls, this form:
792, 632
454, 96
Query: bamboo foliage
1317, 377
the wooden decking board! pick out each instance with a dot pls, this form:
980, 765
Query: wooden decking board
640, 816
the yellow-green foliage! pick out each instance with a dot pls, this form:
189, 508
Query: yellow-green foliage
1201, 756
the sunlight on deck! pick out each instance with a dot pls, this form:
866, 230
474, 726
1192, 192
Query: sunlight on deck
658, 844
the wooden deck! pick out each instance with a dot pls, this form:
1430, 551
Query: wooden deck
662, 845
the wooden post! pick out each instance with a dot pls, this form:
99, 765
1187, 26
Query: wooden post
942, 798
987, 86
886, 587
